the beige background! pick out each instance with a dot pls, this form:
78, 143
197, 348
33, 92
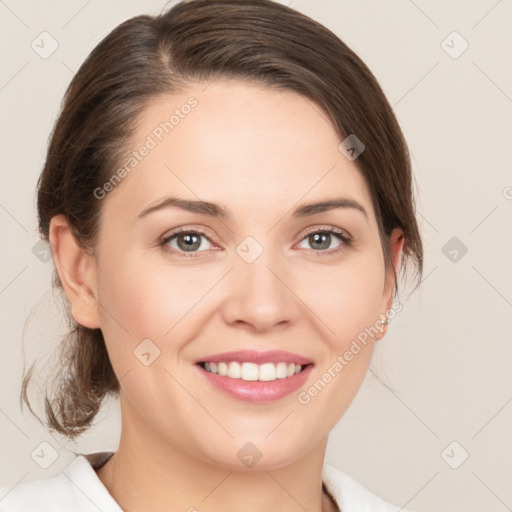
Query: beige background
447, 355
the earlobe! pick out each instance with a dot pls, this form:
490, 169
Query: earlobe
77, 272
396, 245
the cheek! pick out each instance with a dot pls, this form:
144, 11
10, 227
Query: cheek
152, 298
348, 300
146, 297
348, 297
142, 304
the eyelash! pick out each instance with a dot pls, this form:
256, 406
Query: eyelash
346, 239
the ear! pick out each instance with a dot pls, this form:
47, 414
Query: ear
396, 245
77, 272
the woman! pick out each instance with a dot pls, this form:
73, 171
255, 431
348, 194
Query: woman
227, 196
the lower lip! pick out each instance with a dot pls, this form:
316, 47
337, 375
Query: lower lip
257, 391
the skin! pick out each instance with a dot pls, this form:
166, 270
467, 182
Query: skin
260, 153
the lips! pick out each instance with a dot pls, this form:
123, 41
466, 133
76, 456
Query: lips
251, 356
256, 376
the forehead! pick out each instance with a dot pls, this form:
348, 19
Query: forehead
243, 145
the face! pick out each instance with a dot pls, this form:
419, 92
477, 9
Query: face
253, 272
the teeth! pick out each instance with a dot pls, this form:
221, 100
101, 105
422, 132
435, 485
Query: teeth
223, 369
234, 370
249, 371
281, 370
253, 371
267, 371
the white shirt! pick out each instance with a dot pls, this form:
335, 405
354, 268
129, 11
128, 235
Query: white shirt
78, 489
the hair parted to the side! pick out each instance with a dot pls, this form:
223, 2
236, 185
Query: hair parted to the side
260, 41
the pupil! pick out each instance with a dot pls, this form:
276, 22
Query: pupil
319, 237
189, 242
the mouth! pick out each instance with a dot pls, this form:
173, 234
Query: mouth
246, 371
255, 377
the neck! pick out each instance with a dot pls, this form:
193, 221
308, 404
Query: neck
147, 473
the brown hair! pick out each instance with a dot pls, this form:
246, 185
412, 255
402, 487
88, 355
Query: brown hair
260, 41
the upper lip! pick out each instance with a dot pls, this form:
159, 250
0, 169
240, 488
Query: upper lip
252, 356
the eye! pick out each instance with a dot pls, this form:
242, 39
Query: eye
185, 241
188, 242
321, 239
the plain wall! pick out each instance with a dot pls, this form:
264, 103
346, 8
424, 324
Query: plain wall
447, 355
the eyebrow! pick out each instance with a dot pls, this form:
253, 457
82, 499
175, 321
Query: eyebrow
221, 212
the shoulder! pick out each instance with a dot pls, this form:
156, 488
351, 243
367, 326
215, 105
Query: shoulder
77, 488
351, 496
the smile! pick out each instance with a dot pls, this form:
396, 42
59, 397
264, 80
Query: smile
251, 371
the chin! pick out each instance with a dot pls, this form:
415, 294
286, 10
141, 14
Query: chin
258, 454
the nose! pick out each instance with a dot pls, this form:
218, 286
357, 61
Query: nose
259, 296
